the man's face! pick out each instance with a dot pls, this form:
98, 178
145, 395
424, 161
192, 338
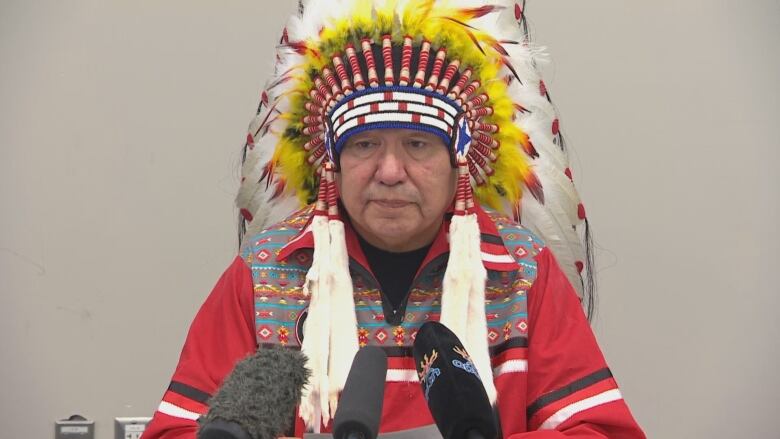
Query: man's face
396, 185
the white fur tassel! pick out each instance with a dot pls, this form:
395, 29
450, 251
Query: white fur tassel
314, 398
456, 283
463, 298
476, 320
343, 330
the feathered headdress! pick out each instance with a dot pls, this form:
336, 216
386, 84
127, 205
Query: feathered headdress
459, 69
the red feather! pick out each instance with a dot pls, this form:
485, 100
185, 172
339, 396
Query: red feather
466, 28
530, 149
500, 49
534, 186
284, 77
268, 125
300, 48
518, 212
285, 37
279, 189
265, 121
480, 11
505, 61
268, 171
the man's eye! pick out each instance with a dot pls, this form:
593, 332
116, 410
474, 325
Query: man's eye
360, 148
418, 143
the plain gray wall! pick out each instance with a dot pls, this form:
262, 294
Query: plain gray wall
121, 125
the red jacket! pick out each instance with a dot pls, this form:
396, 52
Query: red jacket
551, 377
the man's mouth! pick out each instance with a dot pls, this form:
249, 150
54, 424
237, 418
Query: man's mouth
392, 204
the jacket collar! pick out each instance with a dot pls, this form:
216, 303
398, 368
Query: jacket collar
495, 256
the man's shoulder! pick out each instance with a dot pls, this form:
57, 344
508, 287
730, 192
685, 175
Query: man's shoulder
275, 236
514, 235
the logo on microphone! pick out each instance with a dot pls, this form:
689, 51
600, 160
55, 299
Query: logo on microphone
428, 373
468, 365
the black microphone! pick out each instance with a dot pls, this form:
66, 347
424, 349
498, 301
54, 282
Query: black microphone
360, 406
258, 399
451, 385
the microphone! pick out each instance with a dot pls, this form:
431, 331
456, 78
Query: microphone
451, 385
360, 406
258, 399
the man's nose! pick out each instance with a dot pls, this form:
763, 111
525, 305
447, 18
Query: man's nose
391, 169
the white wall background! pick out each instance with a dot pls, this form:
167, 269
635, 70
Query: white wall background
121, 125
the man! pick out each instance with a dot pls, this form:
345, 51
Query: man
397, 124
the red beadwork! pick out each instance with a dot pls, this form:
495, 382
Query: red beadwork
312, 119
477, 101
312, 129
480, 112
341, 71
315, 142
406, 61
463, 182
323, 89
477, 158
316, 154
493, 144
487, 127
332, 83
444, 85
422, 65
438, 63
322, 195
330, 79
475, 174
474, 155
355, 66
464, 77
317, 97
368, 54
484, 150
482, 137
333, 204
468, 91
311, 107
387, 54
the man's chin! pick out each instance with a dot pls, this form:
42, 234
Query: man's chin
389, 227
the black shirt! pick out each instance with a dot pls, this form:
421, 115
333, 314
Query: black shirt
395, 273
